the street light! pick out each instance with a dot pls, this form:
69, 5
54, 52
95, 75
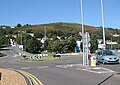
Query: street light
45, 37
83, 35
111, 42
82, 17
103, 24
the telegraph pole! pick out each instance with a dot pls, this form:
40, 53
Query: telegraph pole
45, 33
45, 37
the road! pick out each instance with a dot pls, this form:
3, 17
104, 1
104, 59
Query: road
64, 72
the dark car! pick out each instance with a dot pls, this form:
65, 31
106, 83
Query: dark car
57, 55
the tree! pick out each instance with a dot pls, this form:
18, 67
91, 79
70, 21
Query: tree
70, 44
62, 46
33, 45
27, 25
57, 46
94, 45
29, 31
19, 25
81, 46
3, 40
39, 34
18, 40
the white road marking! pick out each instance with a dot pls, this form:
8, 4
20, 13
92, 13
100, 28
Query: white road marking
25, 67
43, 66
107, 69
64, 66
10, 68
88, 70
61, 66
96, 68
102, 70
15, 55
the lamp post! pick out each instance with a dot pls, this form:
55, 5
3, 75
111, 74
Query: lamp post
111, 42
83, 35
82, 17
20, 46
45, 37
103, 24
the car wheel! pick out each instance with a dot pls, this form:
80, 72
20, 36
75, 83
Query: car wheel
103, 62
97, 63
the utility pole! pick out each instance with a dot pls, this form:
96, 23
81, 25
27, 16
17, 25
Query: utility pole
103, 24
21, 45
25, 40
111, 42
45, 37
45, 32
21, 37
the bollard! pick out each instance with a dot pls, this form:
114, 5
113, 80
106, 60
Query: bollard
93, 61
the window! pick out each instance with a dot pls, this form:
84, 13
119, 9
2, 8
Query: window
100, 53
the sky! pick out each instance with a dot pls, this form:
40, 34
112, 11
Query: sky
13, 12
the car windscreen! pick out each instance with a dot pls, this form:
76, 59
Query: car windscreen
107, 53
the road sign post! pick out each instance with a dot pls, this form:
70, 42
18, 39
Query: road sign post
86, 39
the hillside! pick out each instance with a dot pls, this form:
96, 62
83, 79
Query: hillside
64, 30
57, 26
73, 28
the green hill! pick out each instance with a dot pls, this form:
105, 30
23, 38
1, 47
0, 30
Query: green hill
74, 28
63, 29
63, 26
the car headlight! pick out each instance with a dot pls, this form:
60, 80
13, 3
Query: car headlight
117, 58
107, 58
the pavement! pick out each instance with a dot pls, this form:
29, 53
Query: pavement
10, 77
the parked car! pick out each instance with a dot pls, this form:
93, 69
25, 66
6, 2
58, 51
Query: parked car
106, 56
57, 55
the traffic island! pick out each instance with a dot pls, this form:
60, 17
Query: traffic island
42, 59
10, 77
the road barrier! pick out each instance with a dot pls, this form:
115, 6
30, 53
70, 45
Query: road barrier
35, 57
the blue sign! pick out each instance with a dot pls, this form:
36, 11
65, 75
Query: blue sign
77, 49
94, 58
